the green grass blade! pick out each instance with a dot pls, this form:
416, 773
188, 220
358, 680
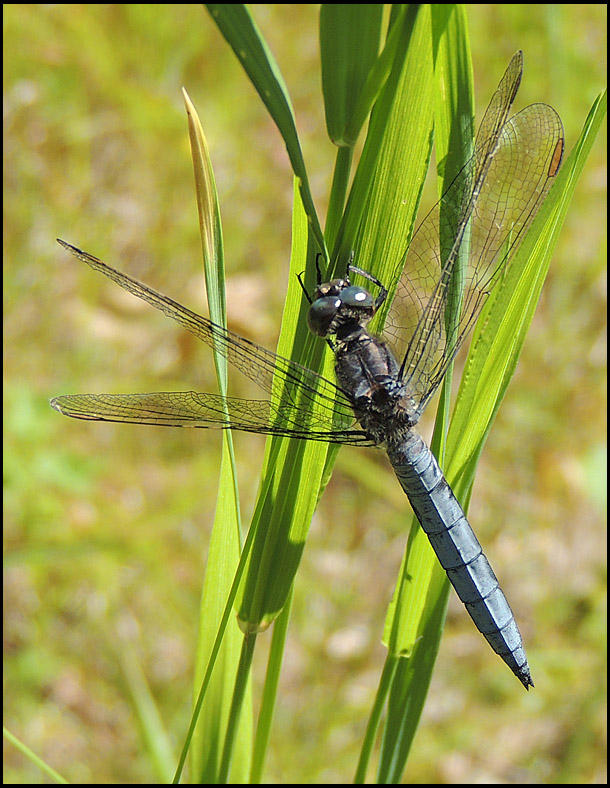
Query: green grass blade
238, 28
289, 493
387, 185
336, 201
236, 718
223, 552
291, 471
272, 677
385, 683
410, 683
214, 652
349, 43
377, 75
35, 759
153, 729
276, 537
453, 142
363, 90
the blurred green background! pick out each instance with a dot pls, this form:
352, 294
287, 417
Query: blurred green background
106, 526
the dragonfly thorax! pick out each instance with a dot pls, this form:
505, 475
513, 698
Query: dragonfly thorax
339, 308
368, 372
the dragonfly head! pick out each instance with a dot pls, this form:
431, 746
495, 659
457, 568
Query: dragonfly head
339, 307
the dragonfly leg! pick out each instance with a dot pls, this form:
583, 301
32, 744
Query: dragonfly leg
303, 288
383, 293
318, 277
318, 269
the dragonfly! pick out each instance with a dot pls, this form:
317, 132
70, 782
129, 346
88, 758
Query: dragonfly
383, 383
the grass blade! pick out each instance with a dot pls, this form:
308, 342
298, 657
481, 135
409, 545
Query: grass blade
349, 42
224, 548
154, 733
265, 716
33, 757
385, 192
238, 27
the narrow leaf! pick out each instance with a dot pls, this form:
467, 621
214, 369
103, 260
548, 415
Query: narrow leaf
291, 470
387, 185
237, 26
223, 553
349, 43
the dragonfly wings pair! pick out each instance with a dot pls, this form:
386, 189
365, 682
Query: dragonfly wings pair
487, 209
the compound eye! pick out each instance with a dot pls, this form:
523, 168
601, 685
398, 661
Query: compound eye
322, 313
357, 297
332, 288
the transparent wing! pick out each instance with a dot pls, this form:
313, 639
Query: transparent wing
467, 239
300, 399
192, 409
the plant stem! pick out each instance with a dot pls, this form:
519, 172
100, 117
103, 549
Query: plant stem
241, 681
